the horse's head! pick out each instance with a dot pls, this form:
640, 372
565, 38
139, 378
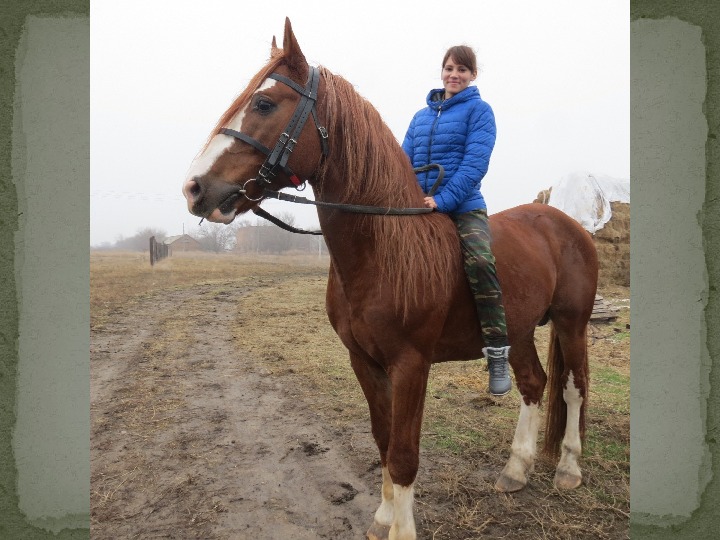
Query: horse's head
251, 148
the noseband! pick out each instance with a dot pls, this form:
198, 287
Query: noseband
278, 157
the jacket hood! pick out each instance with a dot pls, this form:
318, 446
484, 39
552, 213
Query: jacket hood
435, 97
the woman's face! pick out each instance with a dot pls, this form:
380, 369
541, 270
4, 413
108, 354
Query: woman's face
455, 77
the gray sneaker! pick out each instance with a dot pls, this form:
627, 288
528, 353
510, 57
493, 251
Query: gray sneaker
499, 368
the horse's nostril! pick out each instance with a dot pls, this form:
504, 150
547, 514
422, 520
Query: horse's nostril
192, 190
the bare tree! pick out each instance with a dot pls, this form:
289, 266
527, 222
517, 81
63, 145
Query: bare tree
278, 240
140, 241
216, 236
263, 236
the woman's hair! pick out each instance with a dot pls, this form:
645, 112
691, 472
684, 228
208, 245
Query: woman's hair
462, 54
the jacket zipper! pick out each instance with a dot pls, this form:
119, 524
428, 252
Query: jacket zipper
430, 143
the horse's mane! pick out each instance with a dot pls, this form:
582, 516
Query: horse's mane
417, 254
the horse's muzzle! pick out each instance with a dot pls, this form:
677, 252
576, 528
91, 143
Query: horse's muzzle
206, 196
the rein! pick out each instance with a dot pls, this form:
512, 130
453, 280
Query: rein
351, 208
278, 157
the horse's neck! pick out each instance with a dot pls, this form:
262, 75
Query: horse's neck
348, 240
382, 177
348, 236
398, 187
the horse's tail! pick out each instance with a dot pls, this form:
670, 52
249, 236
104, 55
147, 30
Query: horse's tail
556, 413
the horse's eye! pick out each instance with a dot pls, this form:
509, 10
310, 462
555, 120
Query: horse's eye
263, 105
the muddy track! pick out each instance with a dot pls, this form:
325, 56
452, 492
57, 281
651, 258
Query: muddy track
190, 439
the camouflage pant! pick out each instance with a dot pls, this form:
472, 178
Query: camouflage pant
474, 231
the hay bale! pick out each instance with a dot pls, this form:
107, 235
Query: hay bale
613, 247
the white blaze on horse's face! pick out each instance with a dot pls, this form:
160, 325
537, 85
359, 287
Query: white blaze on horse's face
220, 143
204, 162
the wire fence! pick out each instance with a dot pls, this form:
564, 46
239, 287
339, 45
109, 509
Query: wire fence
158, 251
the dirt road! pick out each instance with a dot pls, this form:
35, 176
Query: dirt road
213, 447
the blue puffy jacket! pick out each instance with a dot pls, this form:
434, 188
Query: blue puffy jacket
459, 134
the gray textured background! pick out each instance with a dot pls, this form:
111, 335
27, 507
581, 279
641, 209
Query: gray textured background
675, 489
50, 161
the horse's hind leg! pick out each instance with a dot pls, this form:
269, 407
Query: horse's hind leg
572, 341
530, 379
568, 474
377, 389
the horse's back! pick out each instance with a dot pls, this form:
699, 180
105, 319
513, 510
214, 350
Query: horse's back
543, 257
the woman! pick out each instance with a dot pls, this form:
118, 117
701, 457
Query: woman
457, 130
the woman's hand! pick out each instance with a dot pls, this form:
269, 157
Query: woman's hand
430, 203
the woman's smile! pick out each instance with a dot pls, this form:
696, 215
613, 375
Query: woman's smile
455, 77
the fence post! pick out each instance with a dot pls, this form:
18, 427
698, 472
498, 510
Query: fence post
152, 250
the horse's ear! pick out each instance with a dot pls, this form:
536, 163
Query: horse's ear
274, 49
293, 55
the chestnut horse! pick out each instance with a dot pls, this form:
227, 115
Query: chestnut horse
397, 295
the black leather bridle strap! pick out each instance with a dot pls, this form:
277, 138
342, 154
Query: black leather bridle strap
278, 157
260, 148
352, 208
295, 86
246, 138
275, 221
311, 94
288, 139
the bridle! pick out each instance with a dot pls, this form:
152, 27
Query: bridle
278, 157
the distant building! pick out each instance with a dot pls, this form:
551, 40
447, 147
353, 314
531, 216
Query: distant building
272, 239
183, 242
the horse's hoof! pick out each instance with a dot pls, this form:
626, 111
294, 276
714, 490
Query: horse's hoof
565, 480
505, 484
378, 532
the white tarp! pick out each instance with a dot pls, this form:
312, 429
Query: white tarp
586, 197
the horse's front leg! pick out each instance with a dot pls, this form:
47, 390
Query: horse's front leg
530, 379
395, 398
375, 384
409, 374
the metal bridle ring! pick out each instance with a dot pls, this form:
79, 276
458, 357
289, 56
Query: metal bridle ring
244, 191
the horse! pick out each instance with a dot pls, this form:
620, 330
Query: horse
397, 295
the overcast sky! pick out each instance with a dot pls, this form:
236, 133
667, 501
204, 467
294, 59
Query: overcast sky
556, 72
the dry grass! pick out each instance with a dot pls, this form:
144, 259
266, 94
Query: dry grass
117, 278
